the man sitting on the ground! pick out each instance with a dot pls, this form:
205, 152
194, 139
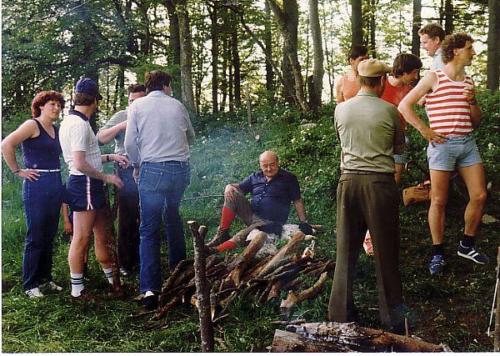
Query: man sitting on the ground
272, 190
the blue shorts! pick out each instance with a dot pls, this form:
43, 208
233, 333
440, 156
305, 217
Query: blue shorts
402, 158
84, 193
455, 152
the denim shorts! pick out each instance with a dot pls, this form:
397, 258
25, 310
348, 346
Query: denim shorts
84, 193
455, 152
402, 158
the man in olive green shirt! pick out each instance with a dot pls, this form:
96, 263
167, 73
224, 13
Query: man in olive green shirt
367, 196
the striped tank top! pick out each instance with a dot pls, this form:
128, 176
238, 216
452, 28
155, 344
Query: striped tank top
447, 107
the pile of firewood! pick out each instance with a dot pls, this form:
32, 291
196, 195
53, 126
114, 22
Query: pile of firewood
229, 277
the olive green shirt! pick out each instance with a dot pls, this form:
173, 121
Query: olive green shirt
370, 134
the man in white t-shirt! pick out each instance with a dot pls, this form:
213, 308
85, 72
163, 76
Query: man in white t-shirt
85, 187
431, 37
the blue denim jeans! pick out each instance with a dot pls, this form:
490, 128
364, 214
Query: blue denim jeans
42, 203
161, 186
128, 219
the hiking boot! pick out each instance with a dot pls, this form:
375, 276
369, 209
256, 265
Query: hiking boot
34, 293
221, 236
436, 265
150, 300
470, 253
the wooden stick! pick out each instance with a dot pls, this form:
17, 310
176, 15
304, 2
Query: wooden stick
295, 298
202, 288
290, 248
496, 338
239, 265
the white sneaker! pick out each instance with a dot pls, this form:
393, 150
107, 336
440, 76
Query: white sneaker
34, 293
54, 287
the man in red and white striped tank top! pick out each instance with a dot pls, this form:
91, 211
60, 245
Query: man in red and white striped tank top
453, 114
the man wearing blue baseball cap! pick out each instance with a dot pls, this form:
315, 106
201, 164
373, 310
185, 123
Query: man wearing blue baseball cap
85, 187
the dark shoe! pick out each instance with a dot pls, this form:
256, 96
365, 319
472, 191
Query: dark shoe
124, 272
84, 297
470, 253
150, 300
220, 237
436, 265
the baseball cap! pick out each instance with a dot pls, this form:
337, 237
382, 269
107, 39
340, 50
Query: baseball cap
373, 68
88, 86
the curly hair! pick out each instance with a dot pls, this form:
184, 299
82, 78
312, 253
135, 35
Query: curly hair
452, 42
42, 98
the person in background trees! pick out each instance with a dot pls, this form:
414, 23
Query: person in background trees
453, 112
348, 86
272, 189
431, 37
85, 186
42, 187
157, 141
368, 197
405, 72
128, 196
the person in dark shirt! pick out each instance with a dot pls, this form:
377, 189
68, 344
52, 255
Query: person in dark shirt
272, 189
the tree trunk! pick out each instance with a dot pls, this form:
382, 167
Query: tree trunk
268, 41
417, 23
373, 28
186, 56
448, 17
214, 36
288, 19
318, 70
236, 62
174, 52
356, 22
493, 66
225, 59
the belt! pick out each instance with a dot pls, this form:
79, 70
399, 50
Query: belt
46, 170
363, 173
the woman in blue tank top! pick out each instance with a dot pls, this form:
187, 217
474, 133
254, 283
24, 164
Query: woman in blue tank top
42, 187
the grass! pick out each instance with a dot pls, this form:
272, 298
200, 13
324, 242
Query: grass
453, 308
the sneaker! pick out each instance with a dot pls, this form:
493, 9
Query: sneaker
124, 272
54, 287
220, 237
34, 293
150, 300
471, 254
436, 265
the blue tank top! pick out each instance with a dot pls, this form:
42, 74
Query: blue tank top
42, 152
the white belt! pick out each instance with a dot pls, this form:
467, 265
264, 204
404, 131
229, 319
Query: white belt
46, 170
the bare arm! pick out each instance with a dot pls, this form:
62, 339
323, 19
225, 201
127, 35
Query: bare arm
475, 110
406, 108
339, 96
107, 135
83, 166
27, 130
301, 211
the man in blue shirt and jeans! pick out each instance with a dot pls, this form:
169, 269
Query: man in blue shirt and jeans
272, 190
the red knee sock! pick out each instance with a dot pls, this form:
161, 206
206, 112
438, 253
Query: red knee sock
228, 245
227, 218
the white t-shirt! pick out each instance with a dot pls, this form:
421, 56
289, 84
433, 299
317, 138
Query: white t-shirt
76, 134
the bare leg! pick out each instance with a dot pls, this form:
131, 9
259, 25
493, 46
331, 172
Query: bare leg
102, 247
82, 229
440, 181
475, 181
399, 168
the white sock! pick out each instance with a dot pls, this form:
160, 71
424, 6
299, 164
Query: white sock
108, 272
76, 284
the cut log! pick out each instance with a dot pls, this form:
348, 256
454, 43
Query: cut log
295, 298
290, 248
240, 264
345, 337
202, 288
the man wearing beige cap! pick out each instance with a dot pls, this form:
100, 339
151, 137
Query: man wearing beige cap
367, 196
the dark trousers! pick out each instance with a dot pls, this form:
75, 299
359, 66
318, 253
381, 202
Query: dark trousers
128, 220
369, 201
42, 203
